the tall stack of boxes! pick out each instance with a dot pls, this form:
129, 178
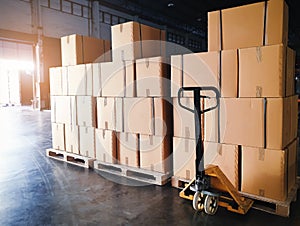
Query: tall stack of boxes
130, 108
254, 131
72, 102
118, 111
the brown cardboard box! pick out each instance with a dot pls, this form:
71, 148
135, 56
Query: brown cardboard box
155, 153
162, 116
63, 109
128, 149
290, 72
72, 112
80, 80
176, 74
106, 145
87, 141
86, 111
203, 69
294, 117
262, 71
211, 122
119, 114
148, 116
97, 87
292, 164
106, 113
113, 79
223, 155
78, 49
58, 136
152, 77
126, 43
55, 76
138, 114
72, 138
130, 77
184, 122
265, 25
242, 121
268, 173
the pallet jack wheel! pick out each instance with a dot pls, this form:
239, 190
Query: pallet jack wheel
198, 201
211, 204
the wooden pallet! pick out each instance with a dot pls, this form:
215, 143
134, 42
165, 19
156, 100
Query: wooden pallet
142, 175
260, 203
71, 158
281, 208
179, 183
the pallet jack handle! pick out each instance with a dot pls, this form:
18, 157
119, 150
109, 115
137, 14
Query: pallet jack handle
197, 111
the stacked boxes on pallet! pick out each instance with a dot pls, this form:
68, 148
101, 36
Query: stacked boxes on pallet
253, 135
131, 109
71, 87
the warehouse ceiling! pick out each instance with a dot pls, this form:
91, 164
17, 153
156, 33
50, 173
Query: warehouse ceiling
191, 15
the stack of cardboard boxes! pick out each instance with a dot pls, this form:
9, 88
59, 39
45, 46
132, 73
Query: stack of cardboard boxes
132, 111
116, 112
72, 102
253, 134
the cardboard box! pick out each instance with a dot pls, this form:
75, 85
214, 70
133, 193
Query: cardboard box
290, 72
269, 173
258, 122
106, 113
223, 155
267, 24
59, 109
203, 69
87, 141
86, 111
130, 78
184, 121
113, 79
162, 116
97, 86
106, 145
152, 77
80, 80
294, 117
155, 153
138, 115
242, 121
148, 116
262, 71
176, 74
71, 112
58, 136
55, 76
72, 138
132, 41
78, 49
119, 127
211, 122
128, 149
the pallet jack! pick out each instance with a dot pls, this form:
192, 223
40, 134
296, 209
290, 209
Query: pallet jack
210, 188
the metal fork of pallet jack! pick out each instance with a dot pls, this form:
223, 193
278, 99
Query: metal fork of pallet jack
211, 187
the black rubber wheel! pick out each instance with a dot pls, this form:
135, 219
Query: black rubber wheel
198, 201
211, 204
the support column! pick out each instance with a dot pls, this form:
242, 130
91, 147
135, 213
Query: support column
38, 77
95, 19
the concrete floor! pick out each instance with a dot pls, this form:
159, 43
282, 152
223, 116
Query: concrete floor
36, 190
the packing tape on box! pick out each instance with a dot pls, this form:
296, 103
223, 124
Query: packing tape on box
188, 174
261, 154
186, 145
151, 140
126, 160
258, 54
261, 192
104, 157
258, 91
